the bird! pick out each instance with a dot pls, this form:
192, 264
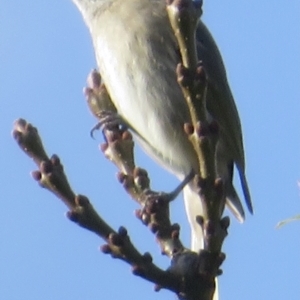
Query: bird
137, 55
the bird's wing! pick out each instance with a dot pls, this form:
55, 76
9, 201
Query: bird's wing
221, 105
220, 102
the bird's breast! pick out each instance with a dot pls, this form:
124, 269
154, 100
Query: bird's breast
138, 66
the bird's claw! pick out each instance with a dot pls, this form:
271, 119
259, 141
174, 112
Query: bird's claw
96, 127
108, 121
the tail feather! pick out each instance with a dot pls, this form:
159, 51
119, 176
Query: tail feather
234, 204
246, 191
193, 207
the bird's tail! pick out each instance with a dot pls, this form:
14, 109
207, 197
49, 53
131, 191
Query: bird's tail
193, 207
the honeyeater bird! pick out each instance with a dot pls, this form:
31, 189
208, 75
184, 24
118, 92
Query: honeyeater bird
137, 55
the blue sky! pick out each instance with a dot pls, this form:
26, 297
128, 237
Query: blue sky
45, 56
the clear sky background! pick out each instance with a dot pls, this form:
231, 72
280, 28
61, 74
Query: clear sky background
45, 56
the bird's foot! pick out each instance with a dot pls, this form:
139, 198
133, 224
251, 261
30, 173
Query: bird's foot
168, 197
109, 121
181, 185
